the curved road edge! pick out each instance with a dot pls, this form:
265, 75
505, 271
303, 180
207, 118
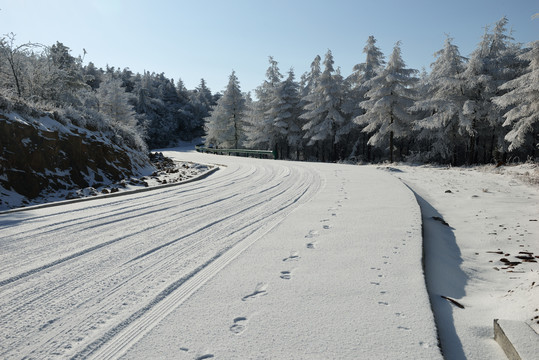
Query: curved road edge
122, 193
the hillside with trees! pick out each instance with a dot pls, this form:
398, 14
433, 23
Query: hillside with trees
66, 125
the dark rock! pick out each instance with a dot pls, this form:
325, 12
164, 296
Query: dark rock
29, 153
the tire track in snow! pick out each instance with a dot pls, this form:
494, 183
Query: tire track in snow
31, 244
99, 246
120, 339
267, 182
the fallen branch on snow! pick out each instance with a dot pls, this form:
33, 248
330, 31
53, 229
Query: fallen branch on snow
453, 301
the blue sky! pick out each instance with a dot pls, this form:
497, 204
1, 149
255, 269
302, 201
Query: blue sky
209, 38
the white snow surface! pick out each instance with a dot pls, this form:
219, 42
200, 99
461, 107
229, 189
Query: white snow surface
493, 214
270, 259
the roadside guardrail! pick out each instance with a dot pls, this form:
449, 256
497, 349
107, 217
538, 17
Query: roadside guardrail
237, 152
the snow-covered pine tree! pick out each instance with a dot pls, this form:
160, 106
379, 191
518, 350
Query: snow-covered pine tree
363, 72
201, 100
442, 103
356, 88
260, 131
285, 112
224, 126
151, 111
169, 94
182, 110
323, 112
307, 85
390, 96
523, 101
494, 62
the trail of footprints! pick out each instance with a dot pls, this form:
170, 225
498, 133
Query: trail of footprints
379, 282
239, 324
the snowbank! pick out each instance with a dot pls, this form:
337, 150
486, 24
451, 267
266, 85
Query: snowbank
485, 256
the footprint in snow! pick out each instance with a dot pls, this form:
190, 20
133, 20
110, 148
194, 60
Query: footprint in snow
294, 256
311, 245
383, 303
239, 325
326, 227
312, 234
404, 328
286, 275
260, 290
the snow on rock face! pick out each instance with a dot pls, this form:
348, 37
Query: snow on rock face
37, 158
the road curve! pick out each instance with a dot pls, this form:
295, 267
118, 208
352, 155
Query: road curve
77, 276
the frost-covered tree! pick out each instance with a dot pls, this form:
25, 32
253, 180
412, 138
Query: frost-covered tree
523, 101
261, 131
174, 99
14, 65
201, 101
113, 101
363, 72
390, 96
92, 75
494, 62
64, 76
309, 81
224, 127
285, 111
356, 88
442, 101
151, 111
307, 85
323, 111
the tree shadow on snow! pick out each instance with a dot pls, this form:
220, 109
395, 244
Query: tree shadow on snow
443, 276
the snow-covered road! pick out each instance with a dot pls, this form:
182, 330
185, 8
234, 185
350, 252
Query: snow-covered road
330, 267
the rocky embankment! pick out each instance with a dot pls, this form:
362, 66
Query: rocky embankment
40, 154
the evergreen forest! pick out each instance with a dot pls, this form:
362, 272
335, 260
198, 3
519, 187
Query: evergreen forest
483, 108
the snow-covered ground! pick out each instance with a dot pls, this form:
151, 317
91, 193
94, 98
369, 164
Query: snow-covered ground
272, 260
487, 257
